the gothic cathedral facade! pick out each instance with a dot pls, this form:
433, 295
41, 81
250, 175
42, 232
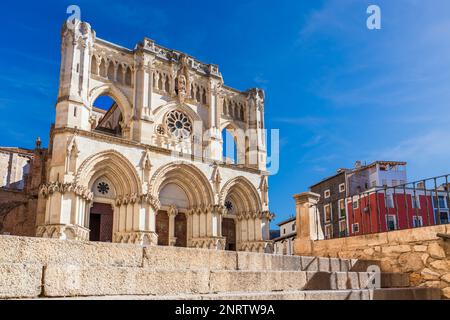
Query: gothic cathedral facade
150, 169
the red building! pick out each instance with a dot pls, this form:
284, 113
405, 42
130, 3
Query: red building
384, 210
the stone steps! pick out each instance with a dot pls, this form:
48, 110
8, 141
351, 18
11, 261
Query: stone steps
36, 268
18, 280
50, 251
379, 294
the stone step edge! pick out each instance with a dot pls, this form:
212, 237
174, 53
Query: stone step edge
420, 293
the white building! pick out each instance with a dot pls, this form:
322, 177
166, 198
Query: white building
284, 244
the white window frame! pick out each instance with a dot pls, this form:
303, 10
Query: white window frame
339, 209
342, 187
417, 218
353, 204
327, 194
390, 197
342, 222
328, 235
395, 222
414, 203
353, 227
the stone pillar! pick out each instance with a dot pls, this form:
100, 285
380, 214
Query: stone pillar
136, 220
307, 223
63, 216
172, 213
214, 135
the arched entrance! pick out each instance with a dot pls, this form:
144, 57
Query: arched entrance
242, 215
115, 187
185, 196
101, 213
174, 203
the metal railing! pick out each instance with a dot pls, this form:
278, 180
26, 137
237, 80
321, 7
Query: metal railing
388, 208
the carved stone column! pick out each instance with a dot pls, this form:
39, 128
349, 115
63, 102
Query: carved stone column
172, 213
142, 210
61, 221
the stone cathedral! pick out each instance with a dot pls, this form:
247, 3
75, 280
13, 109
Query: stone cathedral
150, 169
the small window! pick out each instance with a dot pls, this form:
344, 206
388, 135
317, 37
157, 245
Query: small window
327, 194
355, 204
328, 231
342, 208
390, 201
342, 187
293, 227
355, 228
374, 183
417, 221
391, 222
342, 228
415, 202
327, 210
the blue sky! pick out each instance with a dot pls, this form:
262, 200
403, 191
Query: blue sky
337, 91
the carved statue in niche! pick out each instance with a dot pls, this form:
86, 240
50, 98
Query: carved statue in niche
183, 78
181, 86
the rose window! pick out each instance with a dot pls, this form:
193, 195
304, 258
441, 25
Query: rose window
229, 206
178, 125
103, 188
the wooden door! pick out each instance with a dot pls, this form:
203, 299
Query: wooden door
162, 228
181, 230
101, 222
229, 232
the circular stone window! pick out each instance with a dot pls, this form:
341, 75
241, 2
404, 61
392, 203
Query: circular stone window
229, 206
178, 125
103, 187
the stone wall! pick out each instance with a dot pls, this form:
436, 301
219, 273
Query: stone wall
419, 252
17, 213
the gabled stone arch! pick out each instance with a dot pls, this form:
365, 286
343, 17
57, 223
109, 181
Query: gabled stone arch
189, 178
113, 166
240, 188
118, 95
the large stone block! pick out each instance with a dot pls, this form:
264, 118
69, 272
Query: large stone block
436, 251
226, 281
415, 235
257, 261
52, 251
62, 281
173, 258
20, 280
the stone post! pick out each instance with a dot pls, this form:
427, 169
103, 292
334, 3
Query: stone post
172, 213
307, 223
